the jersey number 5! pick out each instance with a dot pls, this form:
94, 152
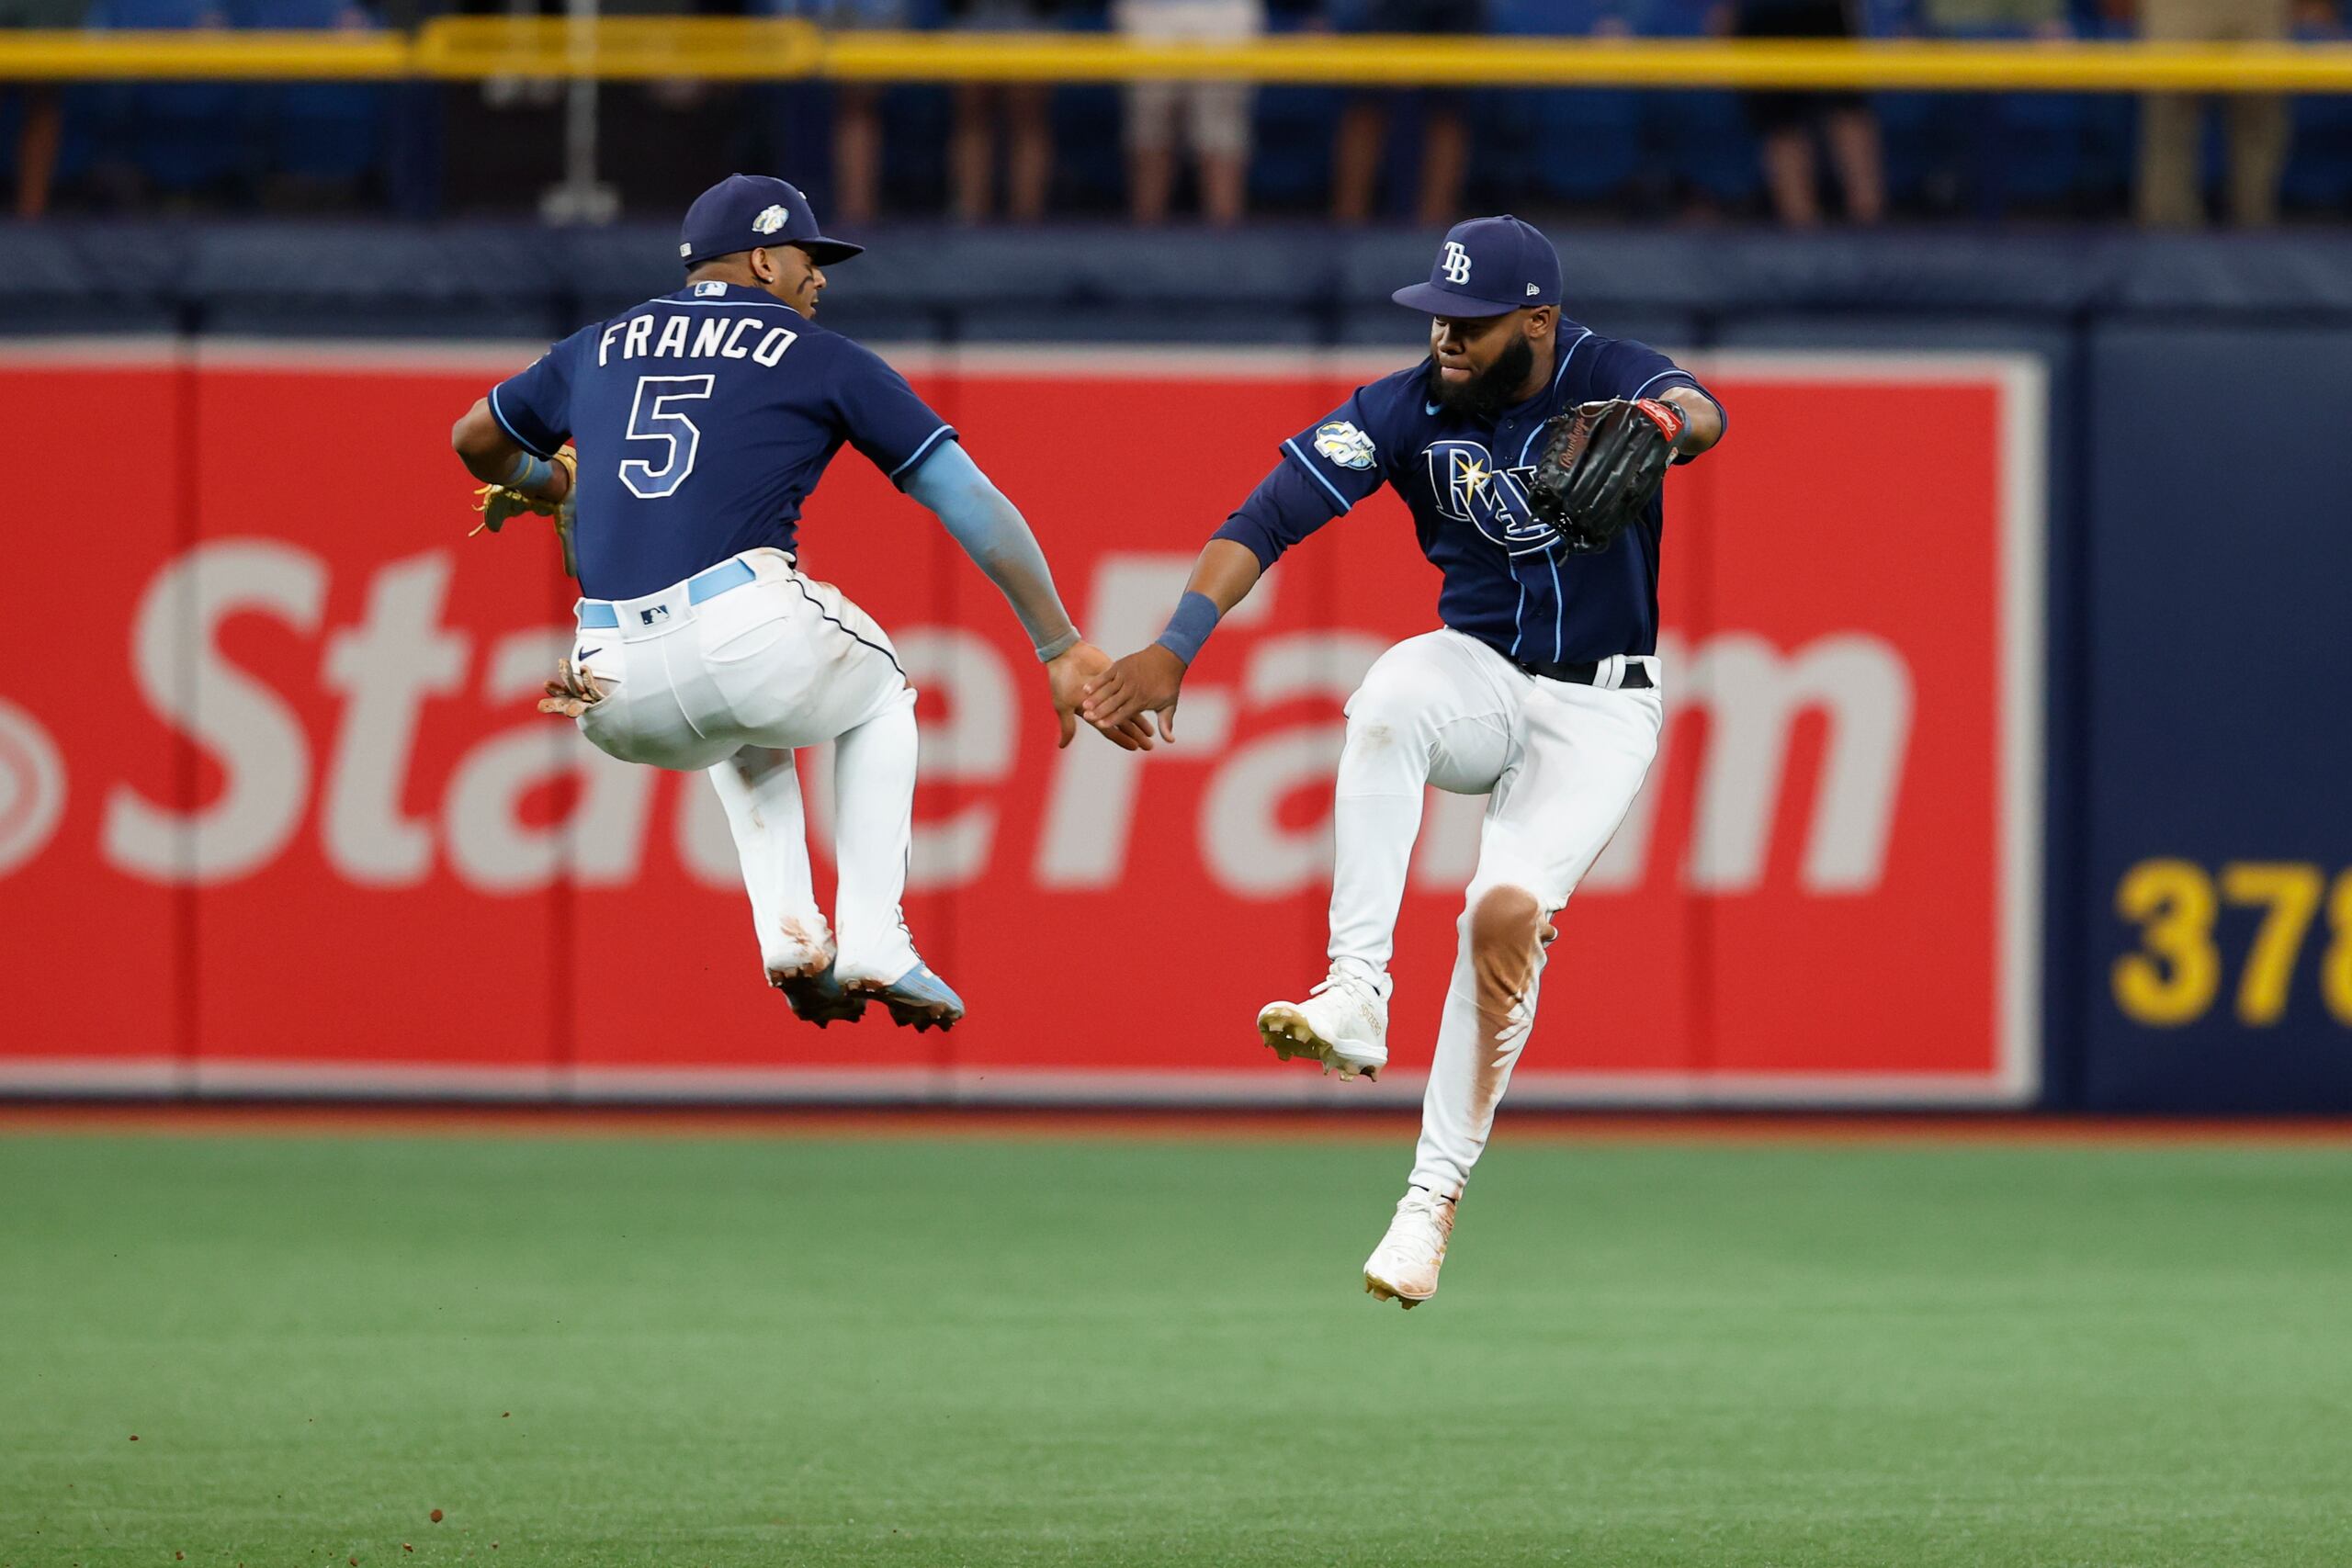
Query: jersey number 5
653, 416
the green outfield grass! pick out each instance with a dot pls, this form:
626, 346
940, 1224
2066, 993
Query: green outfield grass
604, 1351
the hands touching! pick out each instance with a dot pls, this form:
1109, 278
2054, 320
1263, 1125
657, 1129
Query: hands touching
1139, 691
1070, 678
1127, 693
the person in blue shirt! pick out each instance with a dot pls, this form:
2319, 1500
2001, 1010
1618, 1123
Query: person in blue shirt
699, 421
1539, 690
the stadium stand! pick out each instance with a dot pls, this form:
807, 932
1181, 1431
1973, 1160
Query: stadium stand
222, 147
317, 140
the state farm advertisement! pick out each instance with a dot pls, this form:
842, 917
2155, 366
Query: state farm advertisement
277, 814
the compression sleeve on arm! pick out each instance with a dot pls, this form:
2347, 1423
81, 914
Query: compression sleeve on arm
997, 538
1288, 504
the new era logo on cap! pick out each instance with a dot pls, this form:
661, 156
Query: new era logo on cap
1488, 267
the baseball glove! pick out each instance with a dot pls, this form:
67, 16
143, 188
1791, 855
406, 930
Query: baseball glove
572, 691
498, 504
1601, 464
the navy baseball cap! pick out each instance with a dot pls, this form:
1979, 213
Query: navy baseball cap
1488, 267
742, 212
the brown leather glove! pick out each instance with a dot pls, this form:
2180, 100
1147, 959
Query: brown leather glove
498, 504
1601, 465
572, 691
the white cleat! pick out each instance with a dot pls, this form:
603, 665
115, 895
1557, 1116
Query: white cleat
1403, 1268
1343, 1024
800, 949
800, 964
917, 998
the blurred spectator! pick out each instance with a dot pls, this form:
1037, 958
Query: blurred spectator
1445, 131
856, 106
44, 123
1787, 123
180, 144
2171, 125
1996, 19
318, 141
1024, 108
1215, 114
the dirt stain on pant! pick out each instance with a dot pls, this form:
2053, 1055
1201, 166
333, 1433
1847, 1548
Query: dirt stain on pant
811, 936
1508, 935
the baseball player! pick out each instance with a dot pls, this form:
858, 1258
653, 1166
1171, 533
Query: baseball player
699, 421
1532, 451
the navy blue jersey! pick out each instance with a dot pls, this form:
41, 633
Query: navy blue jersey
1507, 582
703, 420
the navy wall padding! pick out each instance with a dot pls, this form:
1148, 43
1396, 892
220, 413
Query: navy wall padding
1241, 280
2220, 690
300, 280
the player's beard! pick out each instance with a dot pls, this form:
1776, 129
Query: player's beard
1491, 391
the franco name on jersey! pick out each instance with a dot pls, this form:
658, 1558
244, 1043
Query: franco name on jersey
690, 337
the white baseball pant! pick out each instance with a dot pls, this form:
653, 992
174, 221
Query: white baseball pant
729, 675
1561, 765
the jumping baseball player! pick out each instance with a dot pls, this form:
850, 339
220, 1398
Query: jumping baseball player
699, 423
1532, 451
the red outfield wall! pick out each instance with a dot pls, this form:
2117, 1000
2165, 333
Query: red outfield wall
276, 813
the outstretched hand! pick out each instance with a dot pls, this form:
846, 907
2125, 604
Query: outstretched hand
1068, 677
1134, 689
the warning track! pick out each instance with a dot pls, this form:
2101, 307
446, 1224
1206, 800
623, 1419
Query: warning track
346, 1119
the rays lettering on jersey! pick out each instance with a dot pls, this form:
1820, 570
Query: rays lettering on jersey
696, 337
1469, 487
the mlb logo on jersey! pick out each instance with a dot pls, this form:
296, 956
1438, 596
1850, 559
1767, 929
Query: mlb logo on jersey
1469, 487
654, 617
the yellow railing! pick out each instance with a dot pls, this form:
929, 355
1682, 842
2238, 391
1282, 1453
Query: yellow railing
1565, 62
471, 48
78, 56
614, 48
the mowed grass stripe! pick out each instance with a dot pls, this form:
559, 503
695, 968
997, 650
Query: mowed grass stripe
617, 1351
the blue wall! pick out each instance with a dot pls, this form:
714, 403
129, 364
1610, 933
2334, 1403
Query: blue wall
2219, 736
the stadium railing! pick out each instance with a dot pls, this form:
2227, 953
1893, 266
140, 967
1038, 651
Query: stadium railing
473, 48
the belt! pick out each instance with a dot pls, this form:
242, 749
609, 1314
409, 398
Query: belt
701, 586
1631, 674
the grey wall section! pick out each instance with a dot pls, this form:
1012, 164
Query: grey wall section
2199, 561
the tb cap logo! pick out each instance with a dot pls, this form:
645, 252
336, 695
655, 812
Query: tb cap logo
1457, 263
769, 221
